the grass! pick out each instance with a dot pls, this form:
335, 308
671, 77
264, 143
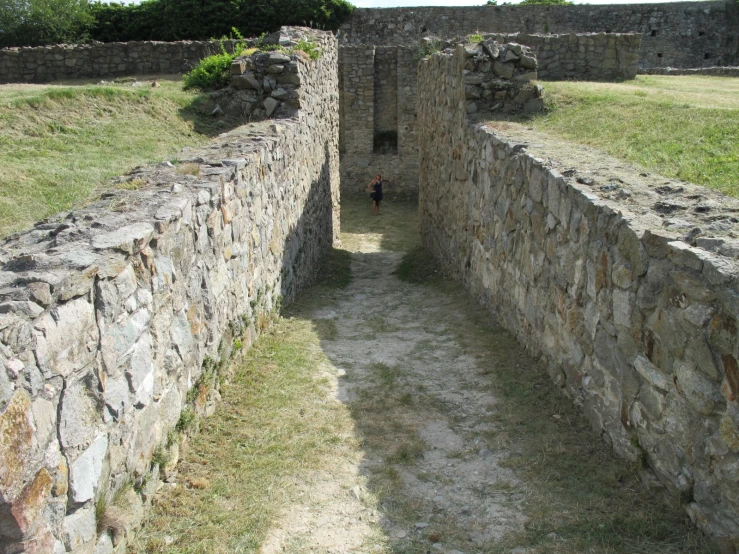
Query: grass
272, 423
685, 127
60, 143
419, 266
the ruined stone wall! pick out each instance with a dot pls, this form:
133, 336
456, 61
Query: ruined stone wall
678, 34
112, 59
581, 57
711, 71
378, 91
116, 319
378, 99
627, 290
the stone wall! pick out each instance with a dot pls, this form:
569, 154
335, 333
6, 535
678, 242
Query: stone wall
497, 78
678, 34
377, 87
113, 59
582, 57
712, 71
378, 92
117, 319
626, 289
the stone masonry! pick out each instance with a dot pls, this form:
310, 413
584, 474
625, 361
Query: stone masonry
378, 95
583, 56
378, 91
628, 291
112, 59
497, 77
117, 319
677, 34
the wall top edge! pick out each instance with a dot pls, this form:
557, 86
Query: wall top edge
677, 211
711, 4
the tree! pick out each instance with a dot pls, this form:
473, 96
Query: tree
36, 22
205, 19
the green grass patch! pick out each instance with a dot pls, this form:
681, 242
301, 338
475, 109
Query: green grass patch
61, 143
685, 127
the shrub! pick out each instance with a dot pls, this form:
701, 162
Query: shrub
38, 22
210, 73
309, 47
213, 72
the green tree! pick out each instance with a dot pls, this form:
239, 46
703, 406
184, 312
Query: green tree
545, 3
36, 22
204, 19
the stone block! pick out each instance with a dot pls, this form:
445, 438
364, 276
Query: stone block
86, 471
129, 239
503, 70
65, 339
246, 81
79, 529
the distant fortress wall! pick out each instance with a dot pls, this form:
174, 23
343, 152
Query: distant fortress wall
677, 34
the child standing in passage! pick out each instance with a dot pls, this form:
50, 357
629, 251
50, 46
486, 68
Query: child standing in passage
375, 186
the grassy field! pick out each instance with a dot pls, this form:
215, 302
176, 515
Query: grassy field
61, 142
685, 127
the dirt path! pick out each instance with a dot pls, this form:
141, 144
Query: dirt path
421, 407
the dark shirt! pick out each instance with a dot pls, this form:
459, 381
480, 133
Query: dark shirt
377, 190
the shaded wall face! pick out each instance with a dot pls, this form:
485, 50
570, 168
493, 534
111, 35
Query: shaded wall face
684, 34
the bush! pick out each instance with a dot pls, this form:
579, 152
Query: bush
214, 72
210, 73
196, 20
38, 22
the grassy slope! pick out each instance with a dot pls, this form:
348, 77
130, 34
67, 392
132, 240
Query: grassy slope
58, 143
680, 126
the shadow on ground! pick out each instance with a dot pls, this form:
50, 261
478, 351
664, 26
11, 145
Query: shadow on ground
466, 444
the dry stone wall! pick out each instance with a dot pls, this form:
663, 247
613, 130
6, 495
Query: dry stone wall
378, 89
112, 59
712, 71
677, 34
628, 290
582, 57
378, 101
116, 319
497, 78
